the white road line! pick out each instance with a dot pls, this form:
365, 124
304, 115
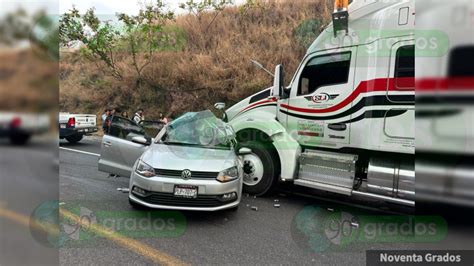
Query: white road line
78, 151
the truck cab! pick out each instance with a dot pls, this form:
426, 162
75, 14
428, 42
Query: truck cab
346, 122
444, 88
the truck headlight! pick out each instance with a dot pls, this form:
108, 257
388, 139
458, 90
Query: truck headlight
228, 174
144, 169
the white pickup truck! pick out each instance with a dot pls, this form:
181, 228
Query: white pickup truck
73, 127
19, 127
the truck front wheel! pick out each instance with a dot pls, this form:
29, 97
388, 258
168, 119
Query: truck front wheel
260, 168
74, 138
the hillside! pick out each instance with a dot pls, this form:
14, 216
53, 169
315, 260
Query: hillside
28, 80
212, 64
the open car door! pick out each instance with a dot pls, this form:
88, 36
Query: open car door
118, 152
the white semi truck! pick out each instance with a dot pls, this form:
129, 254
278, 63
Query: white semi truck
445, 104
346, 122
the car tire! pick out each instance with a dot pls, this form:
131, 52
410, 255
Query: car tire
267, 156
19, 139
74, 138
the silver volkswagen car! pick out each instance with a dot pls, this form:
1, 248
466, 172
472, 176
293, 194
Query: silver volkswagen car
191, 164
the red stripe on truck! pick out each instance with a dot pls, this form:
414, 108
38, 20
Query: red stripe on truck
364, 86
258, 103
445, 84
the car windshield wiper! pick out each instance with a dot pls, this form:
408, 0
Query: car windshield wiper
219, 146
180, 143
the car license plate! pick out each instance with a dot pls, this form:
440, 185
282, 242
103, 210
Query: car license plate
185, 191
63, 126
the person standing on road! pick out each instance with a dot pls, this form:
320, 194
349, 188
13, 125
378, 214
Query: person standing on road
138, 116
105, 115
124, 114
108, 121
163, 119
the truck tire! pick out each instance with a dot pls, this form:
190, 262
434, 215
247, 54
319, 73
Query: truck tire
19, 138
74, 138
261, 168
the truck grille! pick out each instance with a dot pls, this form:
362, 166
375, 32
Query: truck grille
194, 174
170, 200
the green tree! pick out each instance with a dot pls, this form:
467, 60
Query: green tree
199, 7
144, 34
98, 38
38, 28
140, 36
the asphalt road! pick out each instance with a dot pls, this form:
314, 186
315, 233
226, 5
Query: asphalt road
28, 178
304, 230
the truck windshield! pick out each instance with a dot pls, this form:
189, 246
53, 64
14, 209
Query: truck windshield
201, 129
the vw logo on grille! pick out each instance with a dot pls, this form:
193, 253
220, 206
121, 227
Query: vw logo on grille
186, 174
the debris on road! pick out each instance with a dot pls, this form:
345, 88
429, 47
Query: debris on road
276, 205
123, 190
254, 208
331, 209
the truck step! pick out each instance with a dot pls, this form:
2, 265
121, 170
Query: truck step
334, 172
323, 186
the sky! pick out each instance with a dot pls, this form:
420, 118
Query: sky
30, 5
107, 7
103, 7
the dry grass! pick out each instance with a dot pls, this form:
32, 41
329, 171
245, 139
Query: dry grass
214, 65
28, 81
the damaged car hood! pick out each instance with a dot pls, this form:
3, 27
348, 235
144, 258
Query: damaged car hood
174, 157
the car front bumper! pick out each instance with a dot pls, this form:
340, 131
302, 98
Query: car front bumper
160, 193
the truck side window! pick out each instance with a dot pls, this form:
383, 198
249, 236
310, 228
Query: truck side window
460, 62
324, 71
125, 129
405, 68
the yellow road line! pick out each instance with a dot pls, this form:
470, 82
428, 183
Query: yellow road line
16, 217
27, 222
131, 244
128, 243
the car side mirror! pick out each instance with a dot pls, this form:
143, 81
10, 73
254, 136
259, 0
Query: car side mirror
141, 140
244, 151
278, 81
219, 106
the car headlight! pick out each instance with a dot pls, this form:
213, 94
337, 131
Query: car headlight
144, 169
228, 174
